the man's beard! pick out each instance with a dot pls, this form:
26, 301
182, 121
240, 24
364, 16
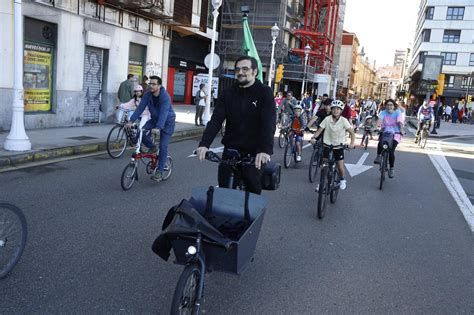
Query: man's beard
244, 82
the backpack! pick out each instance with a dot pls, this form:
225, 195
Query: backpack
197, 97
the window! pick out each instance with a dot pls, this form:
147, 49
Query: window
449, 58
449, 81
197, 7
455, 13
471, 60
451, 36
426, 35
421, 56
429, 13
467, 81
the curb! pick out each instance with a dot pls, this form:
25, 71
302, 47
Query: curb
85, 149
413, 123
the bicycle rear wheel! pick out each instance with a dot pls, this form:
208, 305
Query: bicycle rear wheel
129, 175
334, 190
116, 141
281, 140
288, 155
13, 234
314, 165
383, 168
366, 142
168, 168
186, 292
322, 193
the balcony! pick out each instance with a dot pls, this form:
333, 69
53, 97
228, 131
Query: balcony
154, 9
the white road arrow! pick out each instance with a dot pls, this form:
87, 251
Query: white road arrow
356, 169
215, 150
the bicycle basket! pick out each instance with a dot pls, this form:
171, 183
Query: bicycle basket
271, 176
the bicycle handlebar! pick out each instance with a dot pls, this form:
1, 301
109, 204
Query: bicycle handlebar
214, 157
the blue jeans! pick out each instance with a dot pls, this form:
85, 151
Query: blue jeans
164, 141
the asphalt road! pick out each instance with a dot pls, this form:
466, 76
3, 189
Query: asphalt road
406, 249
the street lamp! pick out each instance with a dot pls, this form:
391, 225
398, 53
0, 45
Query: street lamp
17, 140
215, 13
275, 32
307, 50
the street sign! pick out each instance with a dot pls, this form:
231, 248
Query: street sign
432, 67
216, 61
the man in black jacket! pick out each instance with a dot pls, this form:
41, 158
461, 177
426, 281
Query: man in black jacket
248, 108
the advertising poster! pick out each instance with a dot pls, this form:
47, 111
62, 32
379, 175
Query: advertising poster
37, 74
135, 68
203, 78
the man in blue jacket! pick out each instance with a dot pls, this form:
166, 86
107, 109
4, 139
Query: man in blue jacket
163, 118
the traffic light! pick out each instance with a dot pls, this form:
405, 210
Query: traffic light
469, 98
440, 86
279, 73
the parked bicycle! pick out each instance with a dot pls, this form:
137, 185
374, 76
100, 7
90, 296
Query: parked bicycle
329, 181
316, 159
130, 173
119, 137
216, 229
387, 142
13, 235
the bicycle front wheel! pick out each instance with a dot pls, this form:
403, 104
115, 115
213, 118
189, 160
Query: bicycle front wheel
322, 193
334, 190
13, 234
129, 175
424, 139
366, 142
116, 141
314, 165
281, 140
288, 155
383, 168
168, 168
186, 292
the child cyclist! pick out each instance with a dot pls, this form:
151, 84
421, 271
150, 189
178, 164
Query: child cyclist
298, 124
335, 127
367, 126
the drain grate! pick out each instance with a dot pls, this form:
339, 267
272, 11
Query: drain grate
80, 138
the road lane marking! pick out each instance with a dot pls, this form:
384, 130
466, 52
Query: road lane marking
454, 187
359, 167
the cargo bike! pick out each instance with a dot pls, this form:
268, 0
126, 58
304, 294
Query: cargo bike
215, 230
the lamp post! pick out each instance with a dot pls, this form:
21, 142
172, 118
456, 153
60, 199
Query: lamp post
275, 32
17, 140
307, 50
215, 13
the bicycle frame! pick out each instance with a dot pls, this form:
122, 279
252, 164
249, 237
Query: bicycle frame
139, 156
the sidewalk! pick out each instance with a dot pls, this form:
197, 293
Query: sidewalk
53, 143
447, 129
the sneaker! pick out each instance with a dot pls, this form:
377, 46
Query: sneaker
317, 188
343, 184
158, 177
378, 159
390, 173
298, 158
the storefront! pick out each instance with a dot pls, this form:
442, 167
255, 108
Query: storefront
187, 55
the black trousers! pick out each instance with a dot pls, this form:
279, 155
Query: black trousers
199, 112
391, 156
250, 176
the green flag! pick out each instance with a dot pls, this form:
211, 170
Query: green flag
248, 47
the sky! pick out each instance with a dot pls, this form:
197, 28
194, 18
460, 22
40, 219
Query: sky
382, 26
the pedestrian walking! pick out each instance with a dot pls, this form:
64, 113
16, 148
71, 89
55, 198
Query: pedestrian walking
248, 107
200, 101
125, 91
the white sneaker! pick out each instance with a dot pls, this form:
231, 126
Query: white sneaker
298, 158
343, 184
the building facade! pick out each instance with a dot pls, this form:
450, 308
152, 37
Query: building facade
365, 79
444, 28
389, 81
76, 54
348, 62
